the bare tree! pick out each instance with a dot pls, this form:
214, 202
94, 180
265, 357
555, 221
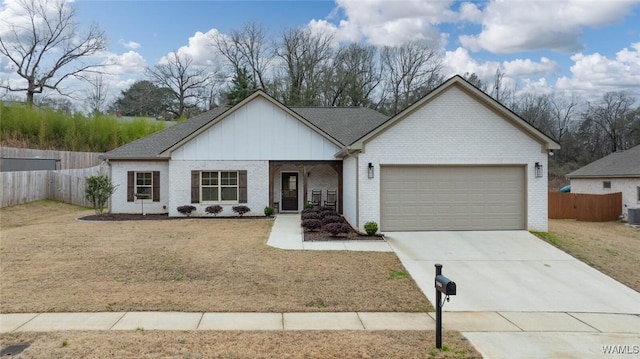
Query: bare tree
411, 71
49, 48
614, 116
352, 77
96, 97
563, 111
306, 56
184, 79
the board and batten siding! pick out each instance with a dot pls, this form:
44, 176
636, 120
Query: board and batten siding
258, 131
455, 129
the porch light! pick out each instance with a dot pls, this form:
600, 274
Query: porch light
370, 170
538, 168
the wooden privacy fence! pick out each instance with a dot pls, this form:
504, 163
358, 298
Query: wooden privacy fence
63, 185
68, 159
585, 207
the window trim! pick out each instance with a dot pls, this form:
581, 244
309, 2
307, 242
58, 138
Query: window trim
136, 185
220, 187
606, 184
132, 184
638, 189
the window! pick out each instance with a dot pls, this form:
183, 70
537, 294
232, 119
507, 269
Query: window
144, 183
219, 186
606, 184
638, 188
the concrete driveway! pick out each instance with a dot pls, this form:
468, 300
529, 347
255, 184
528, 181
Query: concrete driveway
510, 271
519, 297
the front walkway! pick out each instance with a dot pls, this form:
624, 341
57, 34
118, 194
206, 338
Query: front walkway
287, 234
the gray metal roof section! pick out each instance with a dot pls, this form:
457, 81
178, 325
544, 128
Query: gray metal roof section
345, 124
618, 164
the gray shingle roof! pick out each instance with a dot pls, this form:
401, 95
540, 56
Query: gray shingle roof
151, 146
618, 164
344, 124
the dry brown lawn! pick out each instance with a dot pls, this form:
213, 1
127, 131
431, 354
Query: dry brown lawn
50, 262
314, 344
611, 247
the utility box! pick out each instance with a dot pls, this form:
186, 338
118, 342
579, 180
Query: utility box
633, 216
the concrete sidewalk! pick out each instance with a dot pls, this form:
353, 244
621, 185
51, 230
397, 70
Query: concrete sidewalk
502, 322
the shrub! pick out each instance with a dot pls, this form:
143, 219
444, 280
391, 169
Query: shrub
338, 228
311, 224
332, 219
240, 210
268, 211
310, 210
308, 206
98, 191
186, 209
371, 228
215, 209
326, 208
328, 213
311, 215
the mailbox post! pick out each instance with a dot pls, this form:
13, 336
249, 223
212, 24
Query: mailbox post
443, 286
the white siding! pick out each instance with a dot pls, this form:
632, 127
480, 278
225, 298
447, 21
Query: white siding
258, 131
257, 185
454, 129
350, 189
628, 187
119, 202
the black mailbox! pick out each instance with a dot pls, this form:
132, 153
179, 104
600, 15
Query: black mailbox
445, 285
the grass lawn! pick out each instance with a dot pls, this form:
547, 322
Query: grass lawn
196, 344
52, 263
610, 247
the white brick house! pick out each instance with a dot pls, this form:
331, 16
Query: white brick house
454, 160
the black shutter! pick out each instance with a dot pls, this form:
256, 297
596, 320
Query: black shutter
242, 186
156, 186
195, 186
131, 180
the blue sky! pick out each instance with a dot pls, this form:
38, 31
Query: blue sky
583, 47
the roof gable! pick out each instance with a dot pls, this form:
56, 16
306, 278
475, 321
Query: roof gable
470, 90
618, 164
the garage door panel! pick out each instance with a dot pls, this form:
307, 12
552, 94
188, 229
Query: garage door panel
452, 198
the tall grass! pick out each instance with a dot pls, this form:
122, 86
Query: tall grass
49, 129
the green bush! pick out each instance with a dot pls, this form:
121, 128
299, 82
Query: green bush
268, 211
371, 228
98, 191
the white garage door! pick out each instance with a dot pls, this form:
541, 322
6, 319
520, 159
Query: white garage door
419, 198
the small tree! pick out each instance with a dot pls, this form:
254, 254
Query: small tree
98, 191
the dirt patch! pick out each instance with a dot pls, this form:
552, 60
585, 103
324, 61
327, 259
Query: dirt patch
611, 247
352, 236
52, 263
211, 344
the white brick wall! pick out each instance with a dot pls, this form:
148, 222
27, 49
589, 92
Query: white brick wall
119, 202
322, 178
454, 129
257, 185
628, 187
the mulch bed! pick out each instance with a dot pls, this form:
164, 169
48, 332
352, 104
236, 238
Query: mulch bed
154, 217
325, 236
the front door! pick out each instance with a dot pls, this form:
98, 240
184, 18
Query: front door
289, 191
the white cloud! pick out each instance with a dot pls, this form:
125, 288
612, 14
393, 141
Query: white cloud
199, 49
131, 45
596, 72
460, 61
384, 22
128, 63
527, 67
514, 26
470, 12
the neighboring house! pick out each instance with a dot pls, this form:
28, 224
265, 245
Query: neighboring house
454, 160
617, 172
